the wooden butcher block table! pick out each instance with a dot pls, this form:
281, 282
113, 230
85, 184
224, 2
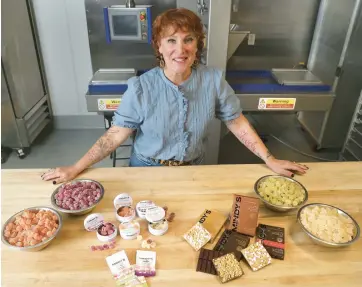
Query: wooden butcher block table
187, 191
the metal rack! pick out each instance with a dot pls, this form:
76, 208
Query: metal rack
108, 121
352, 148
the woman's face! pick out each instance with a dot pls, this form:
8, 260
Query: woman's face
179, 51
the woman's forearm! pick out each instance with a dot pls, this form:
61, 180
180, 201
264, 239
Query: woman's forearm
246, 134
106, 144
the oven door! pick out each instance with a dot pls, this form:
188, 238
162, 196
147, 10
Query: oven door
127, 24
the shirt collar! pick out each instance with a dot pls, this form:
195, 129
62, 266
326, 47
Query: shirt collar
172, 85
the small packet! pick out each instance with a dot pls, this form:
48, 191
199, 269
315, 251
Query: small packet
124, 279
213, 221
273, 240
197, 236
118, 263
145, 263
131, 280
231, 241
227, 267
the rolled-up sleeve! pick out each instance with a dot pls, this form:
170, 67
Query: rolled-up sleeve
130, 112
227, 104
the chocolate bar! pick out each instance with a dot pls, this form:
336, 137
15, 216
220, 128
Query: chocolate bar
231, 241
256, 256
272, 238
227, 267
213, 221
197, 236
244, 214
204, 263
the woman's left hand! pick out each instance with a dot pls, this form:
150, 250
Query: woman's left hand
287, 168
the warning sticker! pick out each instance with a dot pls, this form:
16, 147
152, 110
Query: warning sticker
108, 104
276, 103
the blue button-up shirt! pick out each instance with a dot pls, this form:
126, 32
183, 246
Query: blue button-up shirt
172, 121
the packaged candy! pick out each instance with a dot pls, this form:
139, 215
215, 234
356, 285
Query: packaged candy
213, 221
145, 263
118, 263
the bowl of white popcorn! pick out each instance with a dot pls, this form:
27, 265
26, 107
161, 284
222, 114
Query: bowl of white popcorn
328, 225
280, 193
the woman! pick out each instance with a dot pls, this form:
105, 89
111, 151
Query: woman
172, 106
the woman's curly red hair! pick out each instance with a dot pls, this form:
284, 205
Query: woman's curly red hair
177, 19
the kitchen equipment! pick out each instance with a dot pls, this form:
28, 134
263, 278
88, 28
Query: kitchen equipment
128, 23
25, 104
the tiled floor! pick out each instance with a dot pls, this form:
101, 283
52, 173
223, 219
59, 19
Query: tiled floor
64, 147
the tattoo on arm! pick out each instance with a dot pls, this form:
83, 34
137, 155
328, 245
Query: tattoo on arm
268, 154
247, 138
251, 145
104, 146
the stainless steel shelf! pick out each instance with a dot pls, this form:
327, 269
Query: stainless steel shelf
353, 143
295, 77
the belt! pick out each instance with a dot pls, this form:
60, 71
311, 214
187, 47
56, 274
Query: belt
171, 162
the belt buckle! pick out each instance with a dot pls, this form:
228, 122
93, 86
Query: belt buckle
170, 162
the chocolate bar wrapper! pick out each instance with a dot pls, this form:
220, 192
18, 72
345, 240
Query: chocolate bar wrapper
244, 214
273, 240
213, 221
231, 241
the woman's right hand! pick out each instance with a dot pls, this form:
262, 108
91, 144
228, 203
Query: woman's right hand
60, 174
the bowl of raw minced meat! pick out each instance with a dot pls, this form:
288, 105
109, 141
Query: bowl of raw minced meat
77, 197
31, 229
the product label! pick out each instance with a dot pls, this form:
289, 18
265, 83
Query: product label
244, 214
236, 213
277, 103
129, 230
108, 104
93, 221
122, 200
231, 241
212, 221
155, 214
117, 263
272, 238
143, 205
145, 263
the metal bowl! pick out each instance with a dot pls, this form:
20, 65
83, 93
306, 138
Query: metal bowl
36, 247
78, 211
321, 241
280, 208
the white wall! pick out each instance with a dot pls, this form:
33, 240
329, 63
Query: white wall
64, 42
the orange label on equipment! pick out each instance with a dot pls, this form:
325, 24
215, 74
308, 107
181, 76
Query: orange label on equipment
108, 104
276, 103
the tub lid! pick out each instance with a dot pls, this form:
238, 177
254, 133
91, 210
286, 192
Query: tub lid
122, 199
93, 221
155, 214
